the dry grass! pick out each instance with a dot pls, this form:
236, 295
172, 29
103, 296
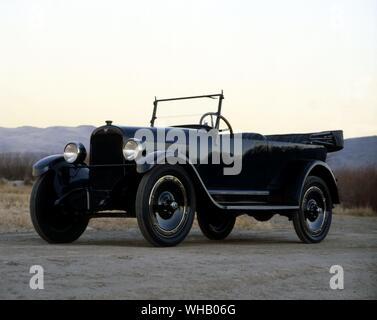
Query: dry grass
357, 188
112, 224
14, 208
14, 214
357, 212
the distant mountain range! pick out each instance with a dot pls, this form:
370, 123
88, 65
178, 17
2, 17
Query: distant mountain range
49, 140
358, 152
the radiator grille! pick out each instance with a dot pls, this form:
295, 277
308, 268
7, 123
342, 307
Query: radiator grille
106, 149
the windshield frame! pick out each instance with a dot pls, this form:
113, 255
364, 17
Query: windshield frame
220, 97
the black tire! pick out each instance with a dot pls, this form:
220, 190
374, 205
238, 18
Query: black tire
263, 217
51, 223
215, 224
313, 220
165, 205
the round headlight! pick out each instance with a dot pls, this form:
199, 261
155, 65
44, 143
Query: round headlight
132, 149
74, 152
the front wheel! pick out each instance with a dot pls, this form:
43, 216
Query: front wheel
53, 224
313, 220
165, 205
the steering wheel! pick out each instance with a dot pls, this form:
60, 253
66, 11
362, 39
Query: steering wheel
214, 118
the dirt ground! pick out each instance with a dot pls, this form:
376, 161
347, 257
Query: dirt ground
267, 262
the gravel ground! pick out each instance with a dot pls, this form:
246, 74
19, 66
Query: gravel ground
265, 263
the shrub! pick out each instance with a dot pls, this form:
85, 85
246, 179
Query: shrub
17, 166
358, 187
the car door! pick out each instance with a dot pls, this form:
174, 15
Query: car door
252, 176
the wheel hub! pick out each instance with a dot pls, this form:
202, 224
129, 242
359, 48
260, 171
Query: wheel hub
174, 205
314, 210
167, 204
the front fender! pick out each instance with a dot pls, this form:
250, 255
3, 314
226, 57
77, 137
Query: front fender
149, 162
162, 157
159, 157
46, 164
67, 177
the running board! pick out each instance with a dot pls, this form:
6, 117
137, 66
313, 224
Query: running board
238, 192
214, 192
262, 208
247, 205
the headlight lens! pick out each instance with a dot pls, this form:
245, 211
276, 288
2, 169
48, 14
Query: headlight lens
74, 152
132, 149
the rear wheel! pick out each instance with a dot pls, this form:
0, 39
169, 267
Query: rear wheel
215, 224
312, 222
165, 206
52, 223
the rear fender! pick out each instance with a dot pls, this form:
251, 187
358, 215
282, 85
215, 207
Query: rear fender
297, 174
323, 171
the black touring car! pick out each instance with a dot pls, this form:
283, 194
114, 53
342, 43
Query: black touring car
279, 174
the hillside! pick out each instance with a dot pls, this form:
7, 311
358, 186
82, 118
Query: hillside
42, 140
358, 152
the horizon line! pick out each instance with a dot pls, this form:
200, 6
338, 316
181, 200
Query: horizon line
94, 126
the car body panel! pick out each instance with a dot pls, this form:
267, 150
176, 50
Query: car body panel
274, 169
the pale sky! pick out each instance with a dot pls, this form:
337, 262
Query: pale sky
285, 66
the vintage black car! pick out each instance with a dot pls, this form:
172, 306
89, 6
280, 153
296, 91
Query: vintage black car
280, 174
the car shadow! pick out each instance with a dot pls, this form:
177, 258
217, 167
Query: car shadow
189, 243
136, 241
